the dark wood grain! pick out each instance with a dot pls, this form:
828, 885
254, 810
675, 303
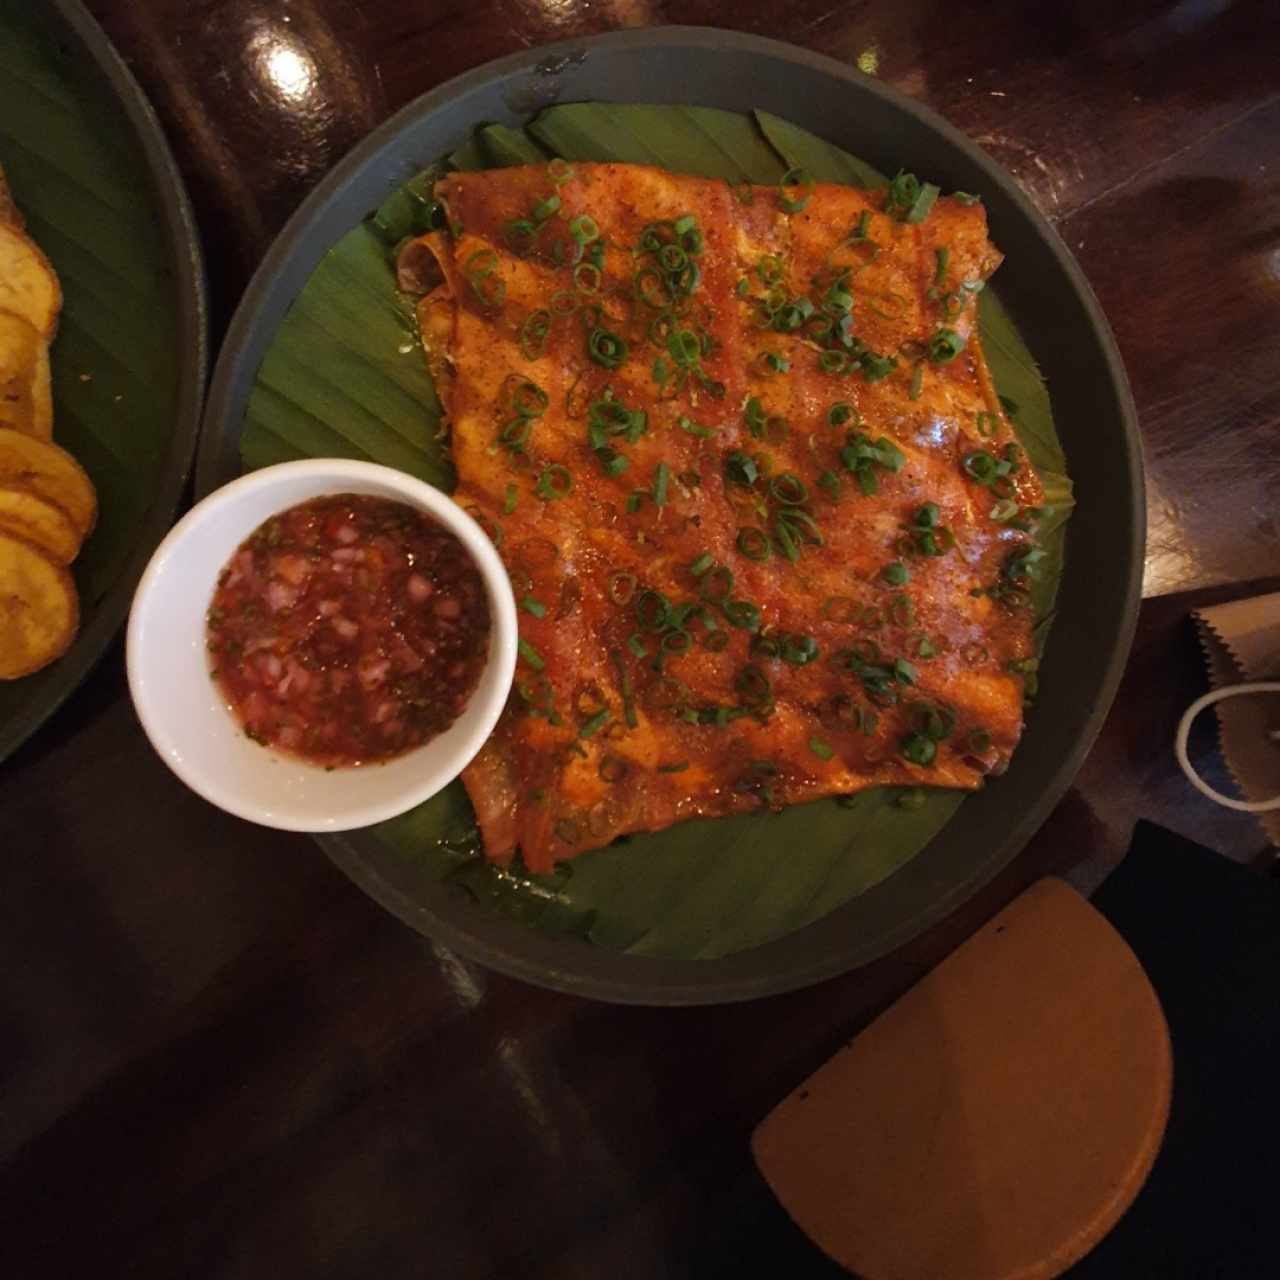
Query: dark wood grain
220, 1059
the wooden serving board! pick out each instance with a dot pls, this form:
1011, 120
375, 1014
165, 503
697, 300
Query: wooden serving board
997, 1120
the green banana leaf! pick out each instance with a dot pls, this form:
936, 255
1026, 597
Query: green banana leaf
704, 888
76, 173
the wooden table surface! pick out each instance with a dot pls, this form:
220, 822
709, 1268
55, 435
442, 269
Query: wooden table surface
219, 1058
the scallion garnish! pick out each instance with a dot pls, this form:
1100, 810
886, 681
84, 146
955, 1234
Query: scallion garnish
743, 615
875, 368
530, 654
918, 749
594, 724
513, 496
621, 586
829, 483
661, 479
896, 574
554, 482
943, 257
740, 469
840, 413
917, 381
653, 610
533, 333
694, 428
788, 488
923, 203
717, 585
533, 606
945, 345
753, 543
820, 748
796, 181
606, 348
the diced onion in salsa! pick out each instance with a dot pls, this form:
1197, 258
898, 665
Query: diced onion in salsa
348, 630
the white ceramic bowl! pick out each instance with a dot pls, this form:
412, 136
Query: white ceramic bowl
188, 721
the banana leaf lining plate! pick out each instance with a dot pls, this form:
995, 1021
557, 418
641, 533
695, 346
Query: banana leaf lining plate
1098, 598
89, 166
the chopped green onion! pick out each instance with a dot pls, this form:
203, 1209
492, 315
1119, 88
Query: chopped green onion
661, 478
840, 413
923, 203
965, 198
928, 516
901, 611
1003, 510
775, 363
829, 483
583, 228
587, 277
593, 724
917, 381
635, 642
943, 257
753, 543
794, 179
821, 749
918, 749
694, 429
554, 482
902, 194
535, 607
769, 268
545, 208
896, 574
606, 348
799, 651
717, 586
530, 654
743, 615
678, 766
653, 611
833, 361
621, 586
513, 496
864, 226
986, 423
876, 368
702, 564
740, 469
533, 333
788, 488
753, 687
564, 302
945, 345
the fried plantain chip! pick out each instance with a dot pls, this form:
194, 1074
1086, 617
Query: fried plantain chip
26, 513
25, 400
39, 611
51, 472
28, 285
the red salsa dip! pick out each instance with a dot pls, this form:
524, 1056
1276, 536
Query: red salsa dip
348, 630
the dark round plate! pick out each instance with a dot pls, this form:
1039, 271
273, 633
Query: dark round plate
90, 169
1057, 315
